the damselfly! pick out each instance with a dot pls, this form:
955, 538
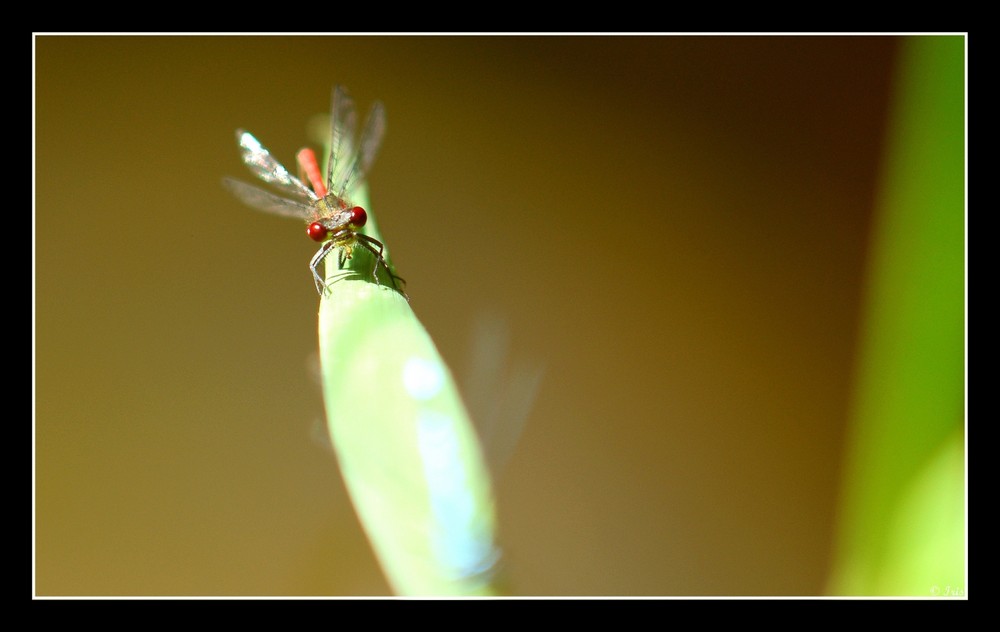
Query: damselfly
332, 218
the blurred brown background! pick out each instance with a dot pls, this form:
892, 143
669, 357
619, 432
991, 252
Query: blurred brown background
675, 226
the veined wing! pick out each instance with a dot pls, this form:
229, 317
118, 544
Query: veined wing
268, 202
343, 121
263, 164
353, 166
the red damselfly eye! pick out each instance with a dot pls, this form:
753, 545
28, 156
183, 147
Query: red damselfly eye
358, 217
317, 231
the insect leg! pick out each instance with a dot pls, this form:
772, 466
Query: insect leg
379, 257
369, 243
321, 254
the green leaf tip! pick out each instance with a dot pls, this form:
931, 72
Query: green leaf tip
407, 449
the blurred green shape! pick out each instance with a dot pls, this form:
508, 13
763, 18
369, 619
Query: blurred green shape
406, 446
902, 515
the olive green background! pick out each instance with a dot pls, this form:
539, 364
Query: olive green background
675, 227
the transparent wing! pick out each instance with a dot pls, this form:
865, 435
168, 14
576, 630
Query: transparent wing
263, 164
268, 202
342, 124
356, 164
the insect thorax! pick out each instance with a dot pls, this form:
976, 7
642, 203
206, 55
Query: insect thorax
332, 212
